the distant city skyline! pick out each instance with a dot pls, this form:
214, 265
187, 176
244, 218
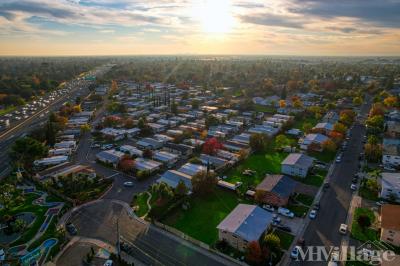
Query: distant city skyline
137, 27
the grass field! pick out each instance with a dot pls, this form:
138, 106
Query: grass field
315, 179
141, 201
322, 156
7, 110
286, 238
368, 233
262, 163
298, 123
298, 210
203, 216
305, 199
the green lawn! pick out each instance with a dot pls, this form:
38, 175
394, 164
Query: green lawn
264, 109
285, 237
203, 216
366, 193
323, 156
262, 163
305, 199
141, 201
368, 233
316, 179
298, 210
299, 122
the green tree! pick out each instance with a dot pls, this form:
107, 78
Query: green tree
6, 195
272, 241
181, 189
26, 150
281, 141
258, 142
363, 221
204, 182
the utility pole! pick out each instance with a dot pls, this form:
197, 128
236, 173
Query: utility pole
118, 240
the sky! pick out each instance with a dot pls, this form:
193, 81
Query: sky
138, 27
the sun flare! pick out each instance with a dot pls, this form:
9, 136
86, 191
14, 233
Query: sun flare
215, 16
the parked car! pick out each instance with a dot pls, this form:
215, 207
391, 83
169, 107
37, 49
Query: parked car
295, 252
276, 219
317, 206
313, 214
343, 229
128, 184
285, 212
353, 187
107, 146
268, 208
108, 263
326, 185
339, 159
71, 229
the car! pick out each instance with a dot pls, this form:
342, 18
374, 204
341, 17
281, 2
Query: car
276, 219
2, 255
317, 206
294, 254
128, 184
380, 203
108, 263
284, 228
343, 229
285, 212
326, 185
335, 256
71, 229
338, 159
354, 180
268, 208
353, 187
107, 146
95, 145
313, 214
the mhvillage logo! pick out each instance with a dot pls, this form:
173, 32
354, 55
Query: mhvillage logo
371, 252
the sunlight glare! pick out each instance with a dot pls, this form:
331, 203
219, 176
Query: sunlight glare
215, 16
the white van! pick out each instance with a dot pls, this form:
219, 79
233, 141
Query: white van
285, 212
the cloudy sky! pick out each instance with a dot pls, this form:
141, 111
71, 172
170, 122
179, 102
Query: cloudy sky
118, 27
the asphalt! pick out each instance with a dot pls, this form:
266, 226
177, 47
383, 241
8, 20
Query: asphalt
335, 201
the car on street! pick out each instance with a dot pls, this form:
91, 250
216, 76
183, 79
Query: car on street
294, 254
2, 255
71, 229
353, 187
108, 263
317, 206
276, 219
268, 208
339, 158
128, 184
326, 186
285, 212
313, 214
343, 229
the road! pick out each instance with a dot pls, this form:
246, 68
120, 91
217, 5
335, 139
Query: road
335, 202
151, 245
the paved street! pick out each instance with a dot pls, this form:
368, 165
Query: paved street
335, 202
151, 245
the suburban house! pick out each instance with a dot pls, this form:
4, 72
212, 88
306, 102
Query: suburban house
173, 177
157, 128
149, 143
390, 186
275, 190
213, 161
147, 165
391, 151
331, 117
182, 150
62, 151
113, 133
67, 144
168, 159
246, 223
390, 224
191, 169
132, 151
110, 157
77, 170
324, 128
297, 164
313, 142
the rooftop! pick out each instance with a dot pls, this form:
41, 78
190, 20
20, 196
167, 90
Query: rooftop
390, 216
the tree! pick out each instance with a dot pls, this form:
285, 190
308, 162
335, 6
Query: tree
254, 253
6, 195
204, 182
373, 140
307, 127
390, 101
339, 127
211, 146
329, 146
85, 128
19, 225
281, 141
357, 101
147, 153
282, 103
50, 133
373, 152
363, 221
298, 103
272, 241
181, 189
377, 109
127, 164
258, 142
174, 107
195, 104
129, 123
26, 150
375, 124
163, 191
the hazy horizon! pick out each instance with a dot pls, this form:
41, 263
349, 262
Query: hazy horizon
199, 27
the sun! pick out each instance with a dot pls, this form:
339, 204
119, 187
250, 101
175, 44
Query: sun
215, 16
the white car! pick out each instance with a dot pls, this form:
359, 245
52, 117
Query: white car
108, 263
268, 208
128, 184
343, 229
313, 214
2, 255
353, 187
285, 212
